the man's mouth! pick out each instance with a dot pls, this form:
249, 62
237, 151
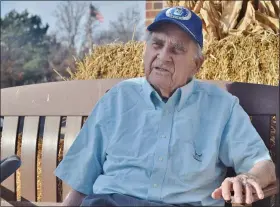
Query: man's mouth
161, 69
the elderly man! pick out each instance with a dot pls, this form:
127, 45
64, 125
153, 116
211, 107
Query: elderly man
167, 139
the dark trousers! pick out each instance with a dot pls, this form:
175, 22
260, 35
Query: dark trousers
120, 200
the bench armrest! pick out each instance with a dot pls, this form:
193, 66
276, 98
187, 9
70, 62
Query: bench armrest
268, 191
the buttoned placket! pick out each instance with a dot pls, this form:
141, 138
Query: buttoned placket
161, 153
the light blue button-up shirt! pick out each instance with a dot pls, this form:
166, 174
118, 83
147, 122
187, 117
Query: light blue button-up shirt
176, 152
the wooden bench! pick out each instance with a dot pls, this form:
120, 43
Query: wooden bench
56, 111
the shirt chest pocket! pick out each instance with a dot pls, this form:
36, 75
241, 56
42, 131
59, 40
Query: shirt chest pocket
191, 160
190, 165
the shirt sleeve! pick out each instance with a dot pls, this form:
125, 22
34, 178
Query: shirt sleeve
84, 160
241, 146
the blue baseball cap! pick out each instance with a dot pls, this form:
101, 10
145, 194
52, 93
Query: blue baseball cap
184, 18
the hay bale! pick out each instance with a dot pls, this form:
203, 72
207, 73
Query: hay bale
251, 58
116, 60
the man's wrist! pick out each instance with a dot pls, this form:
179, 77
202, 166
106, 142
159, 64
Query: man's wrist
264, 171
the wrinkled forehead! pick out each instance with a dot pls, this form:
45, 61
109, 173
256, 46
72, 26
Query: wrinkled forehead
171, 33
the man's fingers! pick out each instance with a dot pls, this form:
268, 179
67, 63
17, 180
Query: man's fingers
217, 194
246, 189
257, 188
249, 193
238, 190
226, 188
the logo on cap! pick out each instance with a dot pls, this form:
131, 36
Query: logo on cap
180, 13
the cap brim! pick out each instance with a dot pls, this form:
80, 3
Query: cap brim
154, 25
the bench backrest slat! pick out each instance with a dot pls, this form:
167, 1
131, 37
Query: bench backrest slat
72, 128
49, 158
28, 157
260, 102
8, 147
51, 99
256, 99
262, 125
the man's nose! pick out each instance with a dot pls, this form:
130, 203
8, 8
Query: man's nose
164, 55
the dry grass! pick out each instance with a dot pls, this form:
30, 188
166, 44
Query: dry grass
223, 18
18, 177
114, 60
243, 58
273, 138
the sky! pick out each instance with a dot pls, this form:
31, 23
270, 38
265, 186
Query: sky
45, 9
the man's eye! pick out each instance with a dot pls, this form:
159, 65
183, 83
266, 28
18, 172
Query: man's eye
179, 50
157, 44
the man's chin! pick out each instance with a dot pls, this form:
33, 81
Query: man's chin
160, 85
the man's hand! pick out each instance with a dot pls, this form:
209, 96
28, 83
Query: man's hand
245, 187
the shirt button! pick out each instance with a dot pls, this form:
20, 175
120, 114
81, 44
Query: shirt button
160, 159
155, 185
163, 136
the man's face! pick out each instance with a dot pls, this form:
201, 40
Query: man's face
170, 59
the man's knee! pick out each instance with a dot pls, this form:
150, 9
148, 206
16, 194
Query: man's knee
98, 200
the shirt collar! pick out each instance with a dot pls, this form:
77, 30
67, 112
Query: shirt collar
184, 93
147, 91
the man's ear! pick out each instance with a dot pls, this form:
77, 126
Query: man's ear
144, 47
198, 62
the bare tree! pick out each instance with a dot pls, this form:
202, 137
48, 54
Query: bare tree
125, 28
69, 15
60, 59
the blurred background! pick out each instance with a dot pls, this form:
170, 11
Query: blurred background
40, 40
